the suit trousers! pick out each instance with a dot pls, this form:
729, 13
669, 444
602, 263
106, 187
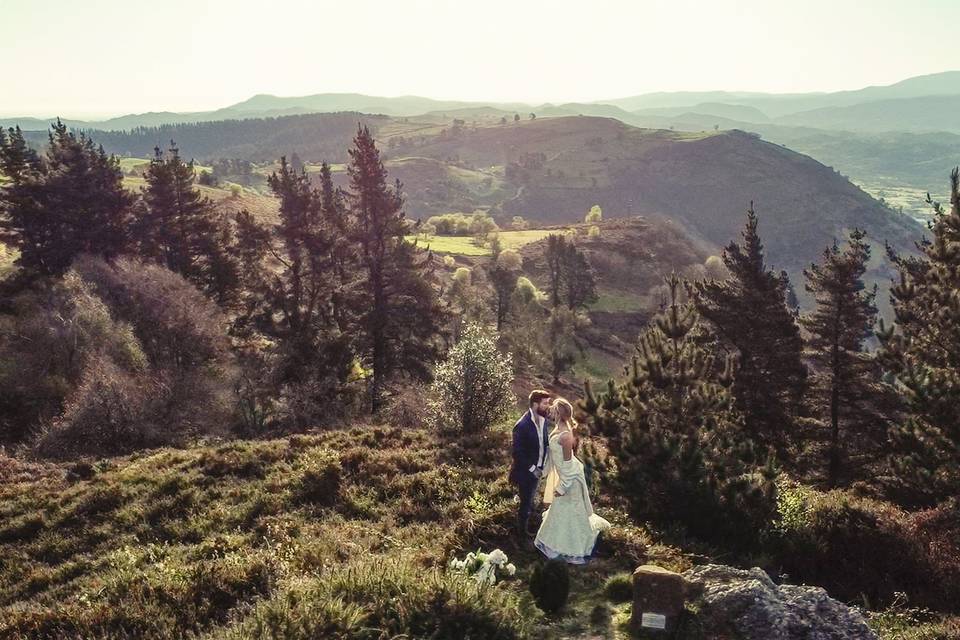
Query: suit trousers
527, 488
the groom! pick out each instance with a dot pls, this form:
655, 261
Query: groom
530, 450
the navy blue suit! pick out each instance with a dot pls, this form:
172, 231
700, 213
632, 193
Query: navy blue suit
526, 454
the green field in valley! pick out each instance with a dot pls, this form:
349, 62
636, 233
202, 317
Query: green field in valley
7, 256
613, 301
131, 164
466, 246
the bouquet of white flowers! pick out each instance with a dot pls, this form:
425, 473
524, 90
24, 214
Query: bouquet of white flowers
484, 567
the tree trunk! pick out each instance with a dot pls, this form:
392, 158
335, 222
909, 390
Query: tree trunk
834, 470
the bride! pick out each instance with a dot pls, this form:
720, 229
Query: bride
570, 527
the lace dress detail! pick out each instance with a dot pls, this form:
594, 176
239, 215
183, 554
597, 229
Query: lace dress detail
570, 527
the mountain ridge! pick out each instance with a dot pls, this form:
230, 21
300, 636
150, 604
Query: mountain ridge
942, 83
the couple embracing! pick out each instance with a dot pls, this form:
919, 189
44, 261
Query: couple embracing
544, 447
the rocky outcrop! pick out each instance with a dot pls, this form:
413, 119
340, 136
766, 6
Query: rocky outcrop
747, 604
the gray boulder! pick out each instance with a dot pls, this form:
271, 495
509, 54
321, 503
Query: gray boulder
747, 604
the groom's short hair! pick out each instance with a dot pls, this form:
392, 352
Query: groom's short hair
537, 395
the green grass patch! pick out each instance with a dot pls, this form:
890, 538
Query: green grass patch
129, 164
613, 301
132, 164
466, 246
457, 245
516, 239
7, 257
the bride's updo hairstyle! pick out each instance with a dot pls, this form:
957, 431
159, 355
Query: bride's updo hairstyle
564, 411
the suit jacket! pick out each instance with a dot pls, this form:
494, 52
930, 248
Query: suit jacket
526, 449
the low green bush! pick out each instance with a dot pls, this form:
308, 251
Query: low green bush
619, 588
471, 388
866, 550
937, 531
550, 585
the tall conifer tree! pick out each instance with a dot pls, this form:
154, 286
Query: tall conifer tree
179, 228
749, 314
676, 435
399, 314
572, 279
71, 201
292, 281
922, 351
843, 319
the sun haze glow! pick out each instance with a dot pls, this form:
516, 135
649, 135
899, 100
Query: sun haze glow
107, 57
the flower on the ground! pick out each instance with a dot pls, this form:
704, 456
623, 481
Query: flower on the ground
497, 557
484, 567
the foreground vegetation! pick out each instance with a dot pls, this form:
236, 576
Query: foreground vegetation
345, 533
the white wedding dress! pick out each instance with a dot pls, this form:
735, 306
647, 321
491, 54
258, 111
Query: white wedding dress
570, 527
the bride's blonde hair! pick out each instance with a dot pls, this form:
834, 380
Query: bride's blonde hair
564, 411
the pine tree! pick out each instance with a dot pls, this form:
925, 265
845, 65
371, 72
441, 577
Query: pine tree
17, 159
400, 318
842, 320
179, 228
71, 201
579, 279
222, 277
922, 351
292, 280
572, 278
342, 251
676, 435
504, 274
18, 163
749, 314
554, 254
563, 341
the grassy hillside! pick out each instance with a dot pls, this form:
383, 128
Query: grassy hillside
704, 181
344, 533
225, 199
631, 257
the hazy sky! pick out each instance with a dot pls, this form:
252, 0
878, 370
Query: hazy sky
81, 58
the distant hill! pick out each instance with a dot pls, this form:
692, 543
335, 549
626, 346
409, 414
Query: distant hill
901, 166
762, 105
324, 136
703, 181
717, 109
924, 114
324, 102
775, 105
